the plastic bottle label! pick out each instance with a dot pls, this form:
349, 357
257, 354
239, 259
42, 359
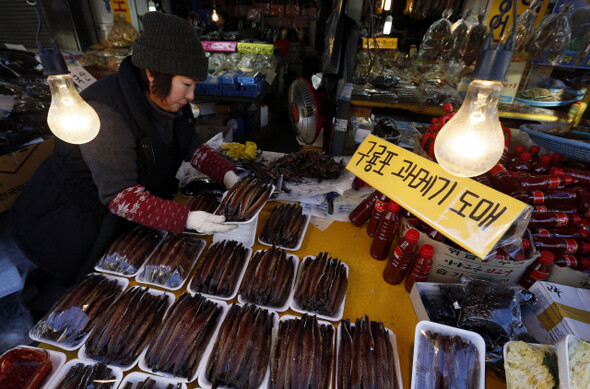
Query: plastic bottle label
544, 232
554, 182
397, 253
562, 219
541, 208
538, 197
571, 246
380, 206
570, 260
539, 275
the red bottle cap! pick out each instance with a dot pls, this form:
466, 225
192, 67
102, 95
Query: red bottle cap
435, 127
434, 121
547, 257
519, 149
557, 157
497, 169
535, 149
584, 233
526, 244
412, 235
556, 170
448, 107
427, 251
514, 174
525, 156
576, 219
393, 206
545, 158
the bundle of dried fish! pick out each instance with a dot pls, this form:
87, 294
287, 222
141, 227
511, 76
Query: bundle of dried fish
475, 40
302, 357
268, 278
307, 163
183, 337
149, 383
244, 199
218, 271
82, 376
204, 201
171, 261
129, 252
437, 40
553, 33
284, 226
321, 285
72, 316
241, 352
127, 326
524, 26
366, 357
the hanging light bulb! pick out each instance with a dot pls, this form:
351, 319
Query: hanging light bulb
387, 5
214, 15
151, 6
70, 118
472, 142
387, 25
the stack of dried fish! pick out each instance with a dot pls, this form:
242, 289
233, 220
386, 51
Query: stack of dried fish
321, 285
284, 226
244, 199
82, 376
307, 163
447, 361
183, 337
268, 278
149, 383
366, 356
72, 317
204, 201
129, 252
303, 355
218, 271
241, 352
171, 261
127, 326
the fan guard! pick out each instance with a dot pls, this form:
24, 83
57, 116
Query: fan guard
304, 111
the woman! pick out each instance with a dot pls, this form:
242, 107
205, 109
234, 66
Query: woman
83, 196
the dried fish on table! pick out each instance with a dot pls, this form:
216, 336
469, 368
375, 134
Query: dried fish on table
244, 199
83, 376
129, 251
73, 315
284, 226
268, 278
204, 201
241, 352
218, 271
127, 326
321, 285
183, 337
366, 358
310, 164
171, 261
303, 354
149, 383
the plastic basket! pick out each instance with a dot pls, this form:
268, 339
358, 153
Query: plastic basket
567, 147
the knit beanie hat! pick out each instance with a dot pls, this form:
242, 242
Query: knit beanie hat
169, 44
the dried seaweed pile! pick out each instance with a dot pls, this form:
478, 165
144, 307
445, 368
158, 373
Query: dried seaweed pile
171, 261
129, 251
244, 199
321, 285
310, 164
302, 357
447, 361
366, 356
284, 226
241, 352
204, 201
268, 278
72, 316
218, 271
95, 376
149, 383
127, 326
182, 339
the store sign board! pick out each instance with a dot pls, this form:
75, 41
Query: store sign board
510, 84
219, 46
500, 15
121, 7
382, 43
465, 211
256, 48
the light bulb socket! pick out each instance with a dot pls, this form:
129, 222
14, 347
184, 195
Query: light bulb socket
52, 60
493, 62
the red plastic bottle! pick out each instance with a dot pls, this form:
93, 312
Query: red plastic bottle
432, 232
363, 211
542, 166
522, 163
421, 267
571, 261
534, 150
515, 155
378, 210
582, 176
583, 203
561, 232
553, 196
505, 183
430, 131
399, 262
538, 271
544, 182
385, 232
430, 137
561, 245
449, 109
484, 179
553, 219
556, 160
565, 208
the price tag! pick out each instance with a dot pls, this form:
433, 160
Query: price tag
81, 77
467, 212
219, 46
382, 43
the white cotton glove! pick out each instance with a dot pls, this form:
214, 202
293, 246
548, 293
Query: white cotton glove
207, 223
230, 178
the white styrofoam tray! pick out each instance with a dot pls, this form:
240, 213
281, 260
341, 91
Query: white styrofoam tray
161, 382
253, 216
61, 373
57, 359
299, 242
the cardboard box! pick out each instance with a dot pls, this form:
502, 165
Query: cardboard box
569, 277
558, 310
17, 168
423, 292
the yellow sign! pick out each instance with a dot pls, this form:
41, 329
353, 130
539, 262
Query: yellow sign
121, 7
467, 212
256, 48
382, 43
500, 15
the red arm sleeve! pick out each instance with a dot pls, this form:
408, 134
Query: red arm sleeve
211, 163
139, 206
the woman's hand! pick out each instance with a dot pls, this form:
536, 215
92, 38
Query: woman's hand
208, 223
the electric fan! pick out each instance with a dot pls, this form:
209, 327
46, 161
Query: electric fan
305, 111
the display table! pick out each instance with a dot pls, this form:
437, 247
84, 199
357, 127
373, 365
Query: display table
367, 293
